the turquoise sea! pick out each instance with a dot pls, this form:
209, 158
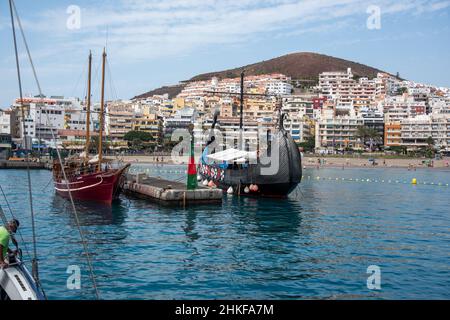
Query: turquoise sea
317, 244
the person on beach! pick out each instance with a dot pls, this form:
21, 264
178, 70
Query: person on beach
6, 233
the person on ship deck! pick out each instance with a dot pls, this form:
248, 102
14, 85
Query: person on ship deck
7, 233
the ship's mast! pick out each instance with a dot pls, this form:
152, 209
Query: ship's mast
241, 123
102, 107
88, 110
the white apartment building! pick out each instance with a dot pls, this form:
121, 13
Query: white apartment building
45, 116
387, 84
120, 118
229, 85
439, 104
196, 90
279, 88
397, 108
182, 119
348, 93
300, 111
417, 90
268, 83
338, 131
374, 119
363, 94
229, 128
415, 131
5, 121
329, 81
299, 129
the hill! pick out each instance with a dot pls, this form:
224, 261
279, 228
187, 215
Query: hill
172, 91
301, 65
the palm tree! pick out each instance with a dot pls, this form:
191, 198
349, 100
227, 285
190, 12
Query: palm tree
374, 137
362, 134
430, 142
365, 133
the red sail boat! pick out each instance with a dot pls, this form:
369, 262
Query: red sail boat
90, 179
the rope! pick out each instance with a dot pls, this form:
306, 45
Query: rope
88, 258
83, 188
30, 195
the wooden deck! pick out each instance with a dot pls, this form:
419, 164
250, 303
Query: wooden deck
169, 192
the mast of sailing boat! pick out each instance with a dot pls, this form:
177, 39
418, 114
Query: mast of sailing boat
241, 122
102, 106
88, 111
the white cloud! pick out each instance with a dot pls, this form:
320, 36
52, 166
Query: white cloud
151, 29
144, 29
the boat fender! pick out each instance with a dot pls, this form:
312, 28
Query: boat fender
230, 190
205, 183
247, 190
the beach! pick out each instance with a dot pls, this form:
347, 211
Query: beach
313, 161
410, 163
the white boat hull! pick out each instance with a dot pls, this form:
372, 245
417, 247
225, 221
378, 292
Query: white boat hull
16, 283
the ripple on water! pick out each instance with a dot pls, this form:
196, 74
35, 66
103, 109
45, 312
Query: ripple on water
317, 244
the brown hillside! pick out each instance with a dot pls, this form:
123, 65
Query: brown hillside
173, 91
302, 65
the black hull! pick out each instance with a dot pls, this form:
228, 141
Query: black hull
272, 190
279, 182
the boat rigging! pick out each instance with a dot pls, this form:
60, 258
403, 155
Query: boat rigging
239, 171
16, 281
91, 179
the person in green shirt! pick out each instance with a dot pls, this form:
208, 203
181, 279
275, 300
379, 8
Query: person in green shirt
6, 233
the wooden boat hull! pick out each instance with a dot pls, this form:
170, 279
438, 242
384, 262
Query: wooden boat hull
277, 184
270, 190
104, 186
273, 190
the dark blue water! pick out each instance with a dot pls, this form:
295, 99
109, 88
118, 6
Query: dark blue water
316, 245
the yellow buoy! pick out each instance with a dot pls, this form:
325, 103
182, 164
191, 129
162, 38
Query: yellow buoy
414, 181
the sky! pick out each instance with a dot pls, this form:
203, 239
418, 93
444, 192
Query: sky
153, 43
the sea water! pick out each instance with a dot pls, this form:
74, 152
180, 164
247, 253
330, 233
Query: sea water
320, 243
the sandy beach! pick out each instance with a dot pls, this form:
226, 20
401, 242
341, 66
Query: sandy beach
413, 163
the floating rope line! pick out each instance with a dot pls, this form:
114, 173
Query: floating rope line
367, 180
134, 171
91, 271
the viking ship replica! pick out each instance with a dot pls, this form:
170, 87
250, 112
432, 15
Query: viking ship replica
90, 179
238, 171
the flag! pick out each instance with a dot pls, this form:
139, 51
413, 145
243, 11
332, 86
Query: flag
192, 170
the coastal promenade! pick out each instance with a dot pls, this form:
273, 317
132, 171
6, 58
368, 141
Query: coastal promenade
410, 163
313, 161
22, 165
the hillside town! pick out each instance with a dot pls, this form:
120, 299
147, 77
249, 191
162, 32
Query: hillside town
338, 113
